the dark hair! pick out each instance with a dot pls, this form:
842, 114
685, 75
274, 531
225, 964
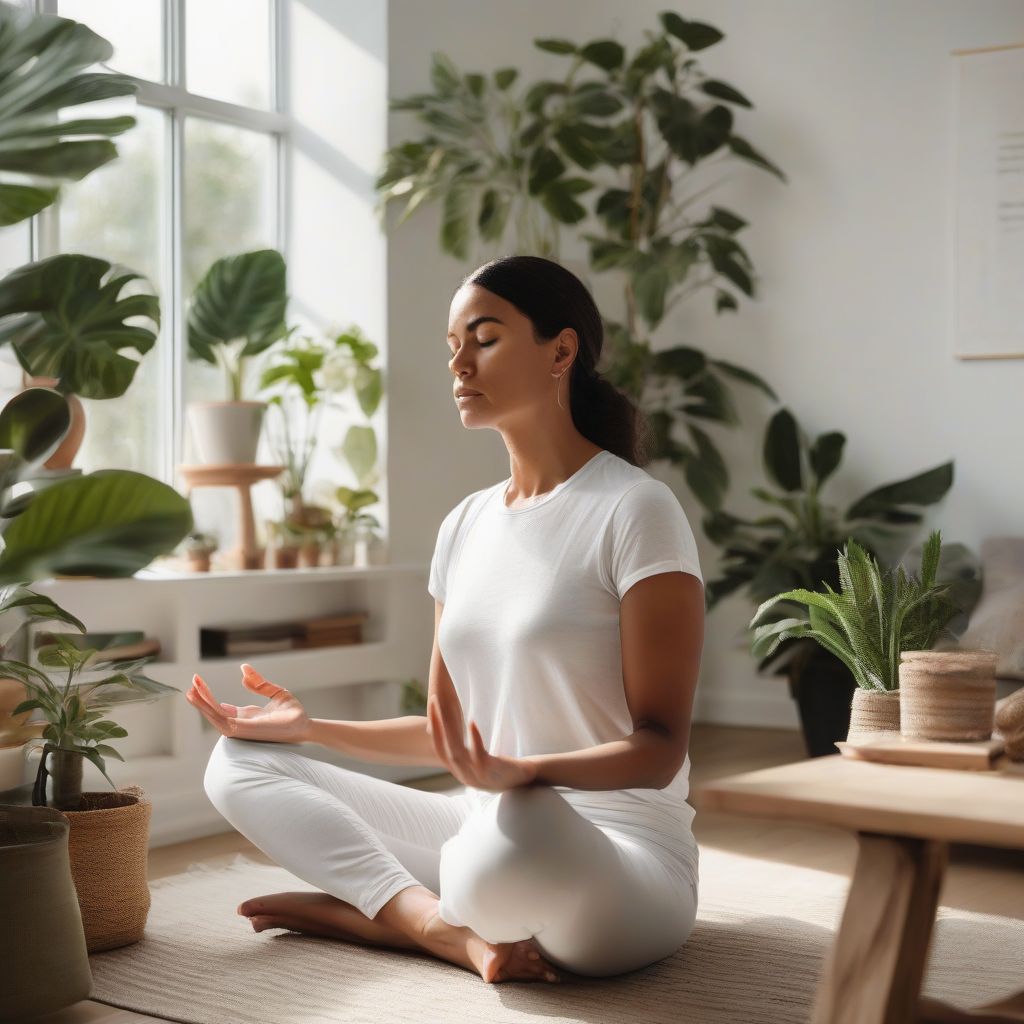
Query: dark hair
554, 298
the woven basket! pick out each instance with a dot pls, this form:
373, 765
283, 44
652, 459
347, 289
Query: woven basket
874, 711
43, 961
108, 846
948, 695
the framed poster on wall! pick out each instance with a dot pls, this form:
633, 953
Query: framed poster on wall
989, 203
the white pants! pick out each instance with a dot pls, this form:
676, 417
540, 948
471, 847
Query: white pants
509, 865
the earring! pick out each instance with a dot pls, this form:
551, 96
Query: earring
558, 389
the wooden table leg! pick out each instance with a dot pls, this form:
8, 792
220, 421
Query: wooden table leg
874, 970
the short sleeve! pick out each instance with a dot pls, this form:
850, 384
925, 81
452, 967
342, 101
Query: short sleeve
649, 534
437, 583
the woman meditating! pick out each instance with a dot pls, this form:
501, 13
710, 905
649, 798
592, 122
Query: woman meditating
568, 627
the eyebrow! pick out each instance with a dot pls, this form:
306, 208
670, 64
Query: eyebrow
477, 321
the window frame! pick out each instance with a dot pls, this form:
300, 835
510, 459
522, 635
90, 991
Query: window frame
172, 98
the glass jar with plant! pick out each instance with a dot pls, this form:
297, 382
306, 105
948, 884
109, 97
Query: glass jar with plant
237, 312
794, 544
284, 539
877, 614
357, 526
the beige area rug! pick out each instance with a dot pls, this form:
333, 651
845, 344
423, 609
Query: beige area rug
754, 956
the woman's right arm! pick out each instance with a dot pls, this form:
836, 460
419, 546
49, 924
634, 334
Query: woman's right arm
390, 740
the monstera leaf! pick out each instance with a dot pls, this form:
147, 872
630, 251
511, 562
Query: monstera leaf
42, 58
241, 298
109, 523
65, 317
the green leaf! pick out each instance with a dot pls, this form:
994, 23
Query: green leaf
34, 422
695, 34
504, 77
42, 62
826, 454
782, 451
925, 488
743, 149
108, 523
605, 53
444, 75
559, 202
650, 286
746, 376
241, 297
65, 317
19, 202
722, 91
561, 46
706, 472
360, 450
494, 209
545, 167
455, 221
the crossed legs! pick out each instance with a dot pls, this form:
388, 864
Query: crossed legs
491, 885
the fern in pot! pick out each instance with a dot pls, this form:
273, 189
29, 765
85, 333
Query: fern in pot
876, 615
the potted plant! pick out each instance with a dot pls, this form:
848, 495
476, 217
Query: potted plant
199, 546
794, 544
108, 856
357, 526
108, 523
612, 144
876, 615
414, 698
284, 540
236, 312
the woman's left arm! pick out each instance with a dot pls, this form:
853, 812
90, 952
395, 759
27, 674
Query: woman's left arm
661, 625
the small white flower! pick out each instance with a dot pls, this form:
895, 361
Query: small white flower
338, 370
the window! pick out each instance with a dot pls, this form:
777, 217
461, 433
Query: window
202, 175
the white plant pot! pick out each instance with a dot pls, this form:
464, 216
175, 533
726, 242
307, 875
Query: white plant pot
12, 766
226, 432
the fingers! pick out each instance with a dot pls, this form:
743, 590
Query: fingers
252, 679
200, 697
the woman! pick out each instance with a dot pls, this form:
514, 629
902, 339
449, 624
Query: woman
571, 633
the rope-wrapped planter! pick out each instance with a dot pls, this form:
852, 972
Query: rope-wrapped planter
948, 695
108, 846
874, 711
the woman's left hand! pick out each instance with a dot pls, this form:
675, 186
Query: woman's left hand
472, 765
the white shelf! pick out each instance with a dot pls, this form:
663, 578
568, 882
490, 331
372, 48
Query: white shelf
344, 665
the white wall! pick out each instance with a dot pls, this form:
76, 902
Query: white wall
853, 325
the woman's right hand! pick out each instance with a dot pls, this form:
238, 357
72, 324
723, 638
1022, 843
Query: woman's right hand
282, 720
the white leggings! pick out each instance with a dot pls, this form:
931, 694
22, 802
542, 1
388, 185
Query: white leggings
509, 865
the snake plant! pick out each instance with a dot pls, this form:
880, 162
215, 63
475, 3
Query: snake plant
877, 614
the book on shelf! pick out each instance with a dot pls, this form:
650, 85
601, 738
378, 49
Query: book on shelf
125, 646
250, 637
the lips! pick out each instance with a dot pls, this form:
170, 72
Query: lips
466, 393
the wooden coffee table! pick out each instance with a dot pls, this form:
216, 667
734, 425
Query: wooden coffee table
904, 818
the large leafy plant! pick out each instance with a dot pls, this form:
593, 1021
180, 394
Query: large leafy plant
238, 311
877, 614
794, 544
619, 138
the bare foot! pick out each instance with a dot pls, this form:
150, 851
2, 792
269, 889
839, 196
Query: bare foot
319, 913
493, 961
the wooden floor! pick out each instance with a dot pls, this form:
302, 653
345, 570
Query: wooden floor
986, 881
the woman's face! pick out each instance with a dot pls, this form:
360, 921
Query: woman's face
493, 352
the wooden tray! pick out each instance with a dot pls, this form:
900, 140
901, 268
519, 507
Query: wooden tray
891, 748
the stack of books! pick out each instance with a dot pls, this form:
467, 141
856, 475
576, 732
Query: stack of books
260, 637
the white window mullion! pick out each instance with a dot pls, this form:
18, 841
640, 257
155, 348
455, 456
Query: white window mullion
174, 448
280, 45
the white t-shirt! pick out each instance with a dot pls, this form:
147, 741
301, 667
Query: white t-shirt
530, 627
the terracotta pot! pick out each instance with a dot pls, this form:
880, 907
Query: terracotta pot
309, 554
874, 711
199, 561
65, 454
948, 695
284, 558
108, 846
44, 964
